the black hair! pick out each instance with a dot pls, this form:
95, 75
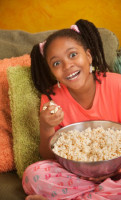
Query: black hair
91, 35
88, 37
41, 74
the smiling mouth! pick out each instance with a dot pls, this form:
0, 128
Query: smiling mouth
73, 75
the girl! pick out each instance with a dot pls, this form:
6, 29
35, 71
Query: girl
71, 72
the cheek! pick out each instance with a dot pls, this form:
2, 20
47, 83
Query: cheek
83, 61
55, 72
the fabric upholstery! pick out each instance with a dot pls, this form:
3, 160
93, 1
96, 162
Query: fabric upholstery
6, 140
11, 187
24, 103
16, 43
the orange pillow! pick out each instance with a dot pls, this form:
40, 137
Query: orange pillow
6, 148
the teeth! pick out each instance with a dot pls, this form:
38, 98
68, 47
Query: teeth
71, 75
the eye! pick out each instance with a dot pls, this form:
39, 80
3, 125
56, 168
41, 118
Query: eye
73, 54
56, 63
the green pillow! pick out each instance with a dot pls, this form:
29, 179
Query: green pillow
25, 104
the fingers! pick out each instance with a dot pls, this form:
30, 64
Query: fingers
35, 197
56, 118
99, 179
119, 171
95, 179
51, 107
51, 114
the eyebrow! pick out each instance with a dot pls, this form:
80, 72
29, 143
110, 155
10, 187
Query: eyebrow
52, 58
65, 52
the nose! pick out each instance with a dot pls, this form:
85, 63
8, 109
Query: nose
67, 64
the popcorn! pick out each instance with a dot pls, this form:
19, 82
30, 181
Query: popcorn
89, 145
51, 104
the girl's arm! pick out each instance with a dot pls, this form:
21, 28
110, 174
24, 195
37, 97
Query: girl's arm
45, 137
48, 122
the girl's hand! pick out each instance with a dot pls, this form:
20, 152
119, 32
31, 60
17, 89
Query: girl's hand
51, 115
35, 197
100, 179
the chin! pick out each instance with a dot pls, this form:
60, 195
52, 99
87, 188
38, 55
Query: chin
75, 87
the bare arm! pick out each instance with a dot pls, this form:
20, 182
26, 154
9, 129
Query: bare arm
47, 123
45, 151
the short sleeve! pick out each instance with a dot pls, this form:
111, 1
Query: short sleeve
44, 99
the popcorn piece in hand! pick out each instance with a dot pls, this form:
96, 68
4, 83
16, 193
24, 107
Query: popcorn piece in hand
44, 108
56, 108
51, 104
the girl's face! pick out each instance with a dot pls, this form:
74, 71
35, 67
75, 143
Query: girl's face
69, 62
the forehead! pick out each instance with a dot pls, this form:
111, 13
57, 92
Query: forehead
65, 39
61, 43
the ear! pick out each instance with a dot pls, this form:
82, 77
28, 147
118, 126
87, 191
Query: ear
89, 56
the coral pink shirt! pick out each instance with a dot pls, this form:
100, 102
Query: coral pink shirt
106, 104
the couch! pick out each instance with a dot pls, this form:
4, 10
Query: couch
16, 44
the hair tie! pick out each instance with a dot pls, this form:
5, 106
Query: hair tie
75, 28
41, 46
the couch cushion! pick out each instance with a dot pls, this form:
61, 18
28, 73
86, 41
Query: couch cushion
11, 187
17, 43
110, 44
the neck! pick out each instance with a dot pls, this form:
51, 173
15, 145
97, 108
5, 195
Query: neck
85, 96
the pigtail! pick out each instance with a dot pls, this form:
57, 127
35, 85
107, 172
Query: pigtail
41, 74
92, 37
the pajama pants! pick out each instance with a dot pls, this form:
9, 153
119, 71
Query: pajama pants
49, 179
